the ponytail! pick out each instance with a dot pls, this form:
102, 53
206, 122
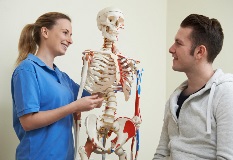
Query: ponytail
30, 35
26, 43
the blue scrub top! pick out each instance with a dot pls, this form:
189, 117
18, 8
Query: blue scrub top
36, 87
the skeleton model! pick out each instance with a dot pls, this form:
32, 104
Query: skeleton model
108, 71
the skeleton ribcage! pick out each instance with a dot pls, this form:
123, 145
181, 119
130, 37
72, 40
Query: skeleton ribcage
101, 73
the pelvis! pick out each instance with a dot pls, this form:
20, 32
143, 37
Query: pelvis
123, 127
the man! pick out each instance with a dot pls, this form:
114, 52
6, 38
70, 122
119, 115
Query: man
198, 120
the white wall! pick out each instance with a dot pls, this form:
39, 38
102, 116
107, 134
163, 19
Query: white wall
177, 11
144, 38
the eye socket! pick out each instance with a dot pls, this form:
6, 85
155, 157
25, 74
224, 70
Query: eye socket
111, 18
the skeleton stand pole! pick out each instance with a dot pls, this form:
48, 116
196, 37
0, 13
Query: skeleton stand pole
104, 142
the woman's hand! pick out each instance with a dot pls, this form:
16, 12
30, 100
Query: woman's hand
100, 95
43, 118
88, 103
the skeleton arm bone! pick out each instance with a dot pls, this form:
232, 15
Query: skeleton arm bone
82, 84
84, 76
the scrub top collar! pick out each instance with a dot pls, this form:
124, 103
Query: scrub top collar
38, 61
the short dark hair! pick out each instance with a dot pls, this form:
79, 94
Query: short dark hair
206, 32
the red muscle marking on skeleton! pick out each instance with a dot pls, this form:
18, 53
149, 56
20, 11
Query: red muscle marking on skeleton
130, 129
89, 147
137, 109
128, 132
77, 116
132, 144
109, 133
120, 68
114, 140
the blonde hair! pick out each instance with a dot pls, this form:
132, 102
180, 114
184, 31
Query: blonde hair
30, 36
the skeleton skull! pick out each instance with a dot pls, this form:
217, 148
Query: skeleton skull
110, 21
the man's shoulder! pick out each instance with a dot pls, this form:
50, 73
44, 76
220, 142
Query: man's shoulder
224, 78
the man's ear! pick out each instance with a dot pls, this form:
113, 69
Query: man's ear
200, 52
44, 32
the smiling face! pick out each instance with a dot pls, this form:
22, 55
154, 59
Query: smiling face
183, 59
59, 37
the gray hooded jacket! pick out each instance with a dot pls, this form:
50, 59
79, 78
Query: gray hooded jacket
204, 129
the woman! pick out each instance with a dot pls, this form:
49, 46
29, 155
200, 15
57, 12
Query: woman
44, 98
